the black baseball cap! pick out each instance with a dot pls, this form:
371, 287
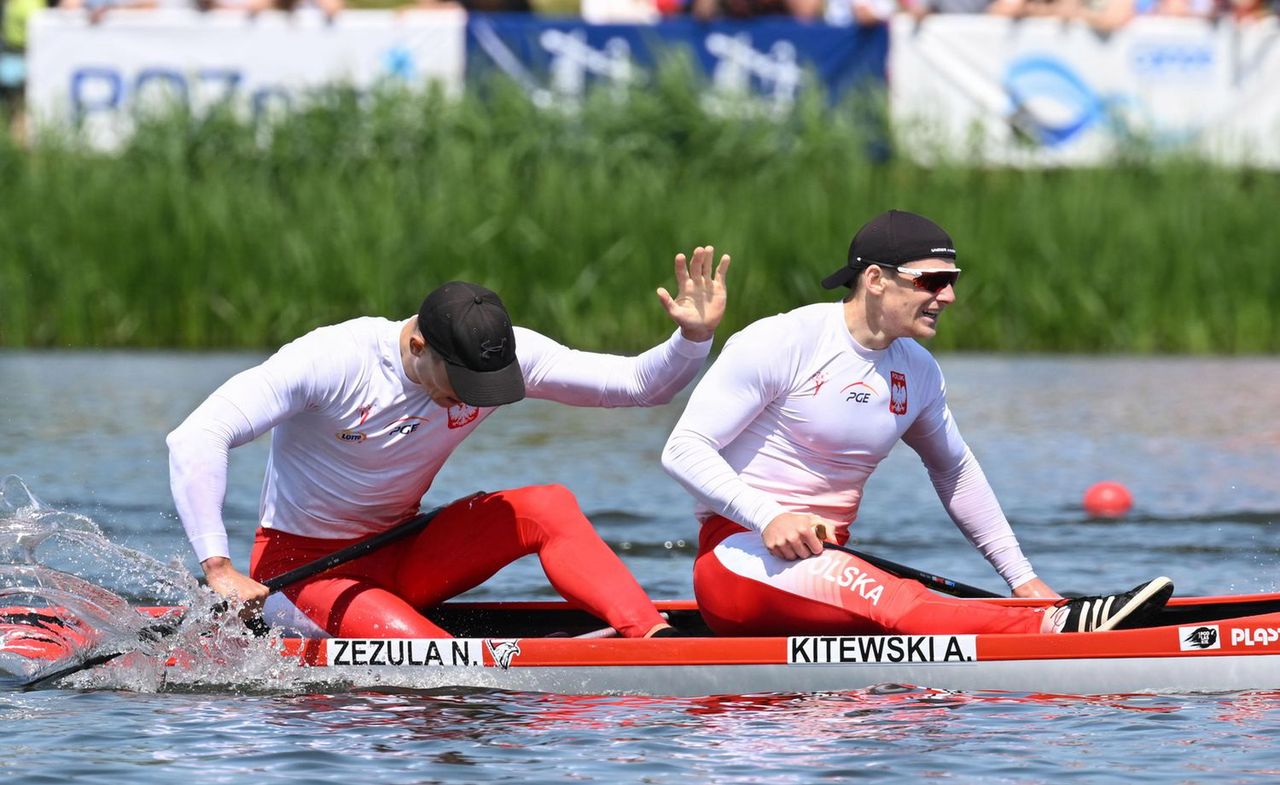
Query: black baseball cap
895, 237
468, 325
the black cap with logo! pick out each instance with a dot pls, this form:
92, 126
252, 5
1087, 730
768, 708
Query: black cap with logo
468, 325
895, 237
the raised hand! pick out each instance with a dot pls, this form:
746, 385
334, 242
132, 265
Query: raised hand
699, 302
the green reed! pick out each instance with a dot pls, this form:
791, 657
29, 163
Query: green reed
215, 232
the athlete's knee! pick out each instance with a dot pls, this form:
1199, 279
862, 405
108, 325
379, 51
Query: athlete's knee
546, 504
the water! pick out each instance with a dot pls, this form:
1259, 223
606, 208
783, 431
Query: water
1197, 441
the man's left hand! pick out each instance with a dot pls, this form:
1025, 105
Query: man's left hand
700, 294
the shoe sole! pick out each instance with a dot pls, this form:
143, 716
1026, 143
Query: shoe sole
1160, 589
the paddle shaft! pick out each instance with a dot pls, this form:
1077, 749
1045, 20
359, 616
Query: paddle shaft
936, 582
351, 552
311, 569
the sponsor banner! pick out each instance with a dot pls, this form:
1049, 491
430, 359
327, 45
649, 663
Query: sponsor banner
1038, 92
1250, 637
557, 60
96, 74
855, 649
408, 652
1206, 636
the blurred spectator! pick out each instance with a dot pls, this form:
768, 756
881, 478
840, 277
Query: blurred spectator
920, 8
1020, 8
596, 12
1247, 11
483, 6
13, 22
1107, 16
330, 8
750, 9
1110, 15
13, 44
1195, 9
97, 9
843, 13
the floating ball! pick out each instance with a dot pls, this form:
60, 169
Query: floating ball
1107, 500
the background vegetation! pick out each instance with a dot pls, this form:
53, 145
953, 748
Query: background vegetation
216, 232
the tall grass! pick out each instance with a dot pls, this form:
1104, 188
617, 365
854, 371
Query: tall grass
213, 232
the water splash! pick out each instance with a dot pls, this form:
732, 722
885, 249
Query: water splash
33, 533
68, 596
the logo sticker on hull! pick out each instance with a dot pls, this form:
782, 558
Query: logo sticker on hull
503, 651
855, 649
1199, 638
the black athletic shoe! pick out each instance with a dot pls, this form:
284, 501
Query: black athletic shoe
1116, 611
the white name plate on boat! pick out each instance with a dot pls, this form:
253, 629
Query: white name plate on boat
849, 649
421, 652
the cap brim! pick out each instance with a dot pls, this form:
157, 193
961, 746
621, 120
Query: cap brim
487, 388
842, 277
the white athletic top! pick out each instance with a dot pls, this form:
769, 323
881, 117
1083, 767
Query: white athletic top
356, 444
795, 414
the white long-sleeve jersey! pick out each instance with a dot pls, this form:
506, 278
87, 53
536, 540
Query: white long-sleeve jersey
355, 443
795, 415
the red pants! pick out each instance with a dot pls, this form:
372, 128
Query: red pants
743, 590
379, 595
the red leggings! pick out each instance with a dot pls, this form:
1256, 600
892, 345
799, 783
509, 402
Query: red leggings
743, 590
379, 595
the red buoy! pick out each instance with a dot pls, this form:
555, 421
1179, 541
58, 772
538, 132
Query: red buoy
1107, 500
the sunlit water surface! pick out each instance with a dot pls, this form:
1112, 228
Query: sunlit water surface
1196, 440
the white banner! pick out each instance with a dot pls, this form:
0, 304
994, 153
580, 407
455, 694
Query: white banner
1040, 92
97, 74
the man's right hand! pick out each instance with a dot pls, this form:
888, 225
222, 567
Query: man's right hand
794, 535
229, 582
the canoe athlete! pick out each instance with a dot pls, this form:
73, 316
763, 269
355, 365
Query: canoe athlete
364, 414
780, 436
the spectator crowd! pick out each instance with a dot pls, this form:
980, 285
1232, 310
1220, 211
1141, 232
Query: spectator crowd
1102, 15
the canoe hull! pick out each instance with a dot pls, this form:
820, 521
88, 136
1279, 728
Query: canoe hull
1214, 644
1203, 655
1063, 677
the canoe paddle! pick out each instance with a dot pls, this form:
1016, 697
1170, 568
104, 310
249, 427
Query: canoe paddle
158, 631
936, 582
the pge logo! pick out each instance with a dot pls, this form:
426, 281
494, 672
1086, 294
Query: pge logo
858, 392
1199, 638
405, 426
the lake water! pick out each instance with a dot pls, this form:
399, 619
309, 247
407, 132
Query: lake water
1197, 440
